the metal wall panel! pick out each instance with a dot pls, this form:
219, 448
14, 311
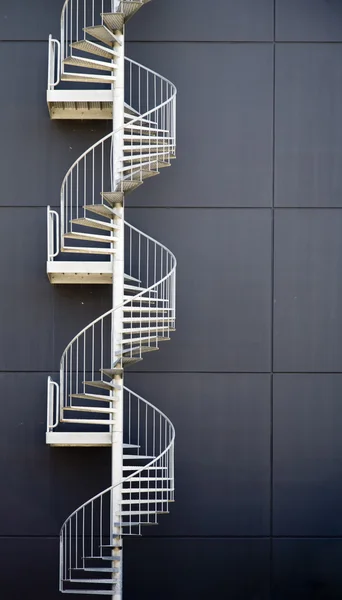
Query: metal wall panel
308, 20
163, 20
308, 122
307, 455
307, 569
308, 290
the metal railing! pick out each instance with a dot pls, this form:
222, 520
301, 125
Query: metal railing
52, 234
146, 492
149, 265
77, 15
154, 98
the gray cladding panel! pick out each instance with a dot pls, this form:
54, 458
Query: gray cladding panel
197, 20
307, 455
307, 569
26, 307
308, 114
309, 20
41, 486
37, 152
239, 565
222, 469
308, 290
224, 125
165, 20
223, 288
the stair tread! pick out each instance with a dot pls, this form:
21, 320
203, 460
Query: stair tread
146, 319
90, 592
91, 237
88, 78
134, 467
102, 384
146, 329
91, 409
98, 569
143, 512
89, 421
91, 581
86, 250
102, 33
86, 222
89, 63
99, 397
113, 20
92, 47
103, 210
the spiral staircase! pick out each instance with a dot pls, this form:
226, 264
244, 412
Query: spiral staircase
90, 405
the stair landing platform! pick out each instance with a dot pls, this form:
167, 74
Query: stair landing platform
78, 439
63, 272
80, 104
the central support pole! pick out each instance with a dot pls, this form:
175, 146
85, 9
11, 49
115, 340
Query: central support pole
118, 298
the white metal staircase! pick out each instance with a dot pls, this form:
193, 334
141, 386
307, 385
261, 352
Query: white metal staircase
90, 405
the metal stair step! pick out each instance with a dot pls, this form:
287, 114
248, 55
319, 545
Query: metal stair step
131, 278
98, 397
113, 198
145, 339
104, 385
89, 421
102, 33
139, 490
90, 592
139, 479
144, 299
143, 138
135, 468
137, 288
142, 512
113, 21
91, 409
142, 174
129, 7
137, 456
151, 130
91, 581
103, 210
93, 48
135, 523
86, 222
89, 63
134, 351
128, 186
147, 329
98, 569
115, 558
135, 158
91, 237
88, 78
146, 319
146, 148
85, 250
143, 309
144, 501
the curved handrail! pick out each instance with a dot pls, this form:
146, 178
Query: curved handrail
138, 471
135, 297
131, 122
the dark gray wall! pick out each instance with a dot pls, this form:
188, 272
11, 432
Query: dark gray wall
252, 378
